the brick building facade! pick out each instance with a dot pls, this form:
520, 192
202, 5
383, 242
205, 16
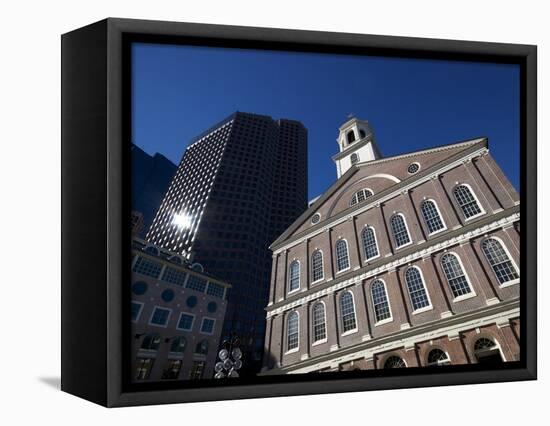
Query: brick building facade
177, 313
409, 260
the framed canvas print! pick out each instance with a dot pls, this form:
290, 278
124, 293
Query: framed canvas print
253, 212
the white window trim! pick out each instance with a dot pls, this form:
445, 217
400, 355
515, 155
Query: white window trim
318, 342
153, 314
492, 339
353, 330
429, 307
336, 256
297, 348
431, 364
385, 320
141, 304
440, 217
510, 258
213, 326
475, 198
406, 227
350, 204
472, 292
192, 321
289, 291
382, 365
370, 259
322, 266
314, 215
413, 173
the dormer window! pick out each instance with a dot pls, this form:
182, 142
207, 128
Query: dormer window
350, 137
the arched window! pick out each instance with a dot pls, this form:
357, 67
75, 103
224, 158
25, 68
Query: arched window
394, 362
293, 324
319, 322
362, 133
178, 344
467, 201
342, 258
347, 308
354, 158
317, 265
294, 276
486, 351
151, 341
380, 301
499, 260
455, 275
350, 136
369, 243
202, 347
431, 216
399, 230
417, 289
360, 196
437, 357
152, 250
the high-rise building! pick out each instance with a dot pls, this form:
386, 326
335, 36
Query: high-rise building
151, 175
405, 261
239, 185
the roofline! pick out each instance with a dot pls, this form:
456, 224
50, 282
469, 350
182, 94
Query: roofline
287, 233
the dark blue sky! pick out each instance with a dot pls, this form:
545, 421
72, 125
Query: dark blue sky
180, 91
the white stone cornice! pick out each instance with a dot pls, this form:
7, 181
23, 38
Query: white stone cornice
368, 206
391, 266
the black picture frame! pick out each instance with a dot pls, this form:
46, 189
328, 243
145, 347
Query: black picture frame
95, 206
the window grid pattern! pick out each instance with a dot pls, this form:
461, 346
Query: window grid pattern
186, 322
417, 289
215, 290
292, 330
178, 344
319, 322
437, 357
399, 230
147, 267
342, 258
196, 283
173, 276
294, 276
500, 262
348, 312
483, 344
369, 243
360, 196
455, 275
317, 266
394, 362
160, 316
207, 325
380, 301
136, 309
354, 158
431, 216
466, 201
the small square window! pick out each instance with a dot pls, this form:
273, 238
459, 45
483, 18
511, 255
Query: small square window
186, 321
207, 326
136, 310
160, 316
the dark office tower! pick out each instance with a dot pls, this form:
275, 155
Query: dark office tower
151, 176
239, 185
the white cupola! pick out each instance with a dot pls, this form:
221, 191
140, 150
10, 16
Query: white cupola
357, 145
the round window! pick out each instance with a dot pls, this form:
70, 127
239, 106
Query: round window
212, 307
167, 295
413, 168
316, 218
191, 301
139, 288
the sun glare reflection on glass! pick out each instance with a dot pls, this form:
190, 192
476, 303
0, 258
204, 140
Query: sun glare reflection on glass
182, 221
